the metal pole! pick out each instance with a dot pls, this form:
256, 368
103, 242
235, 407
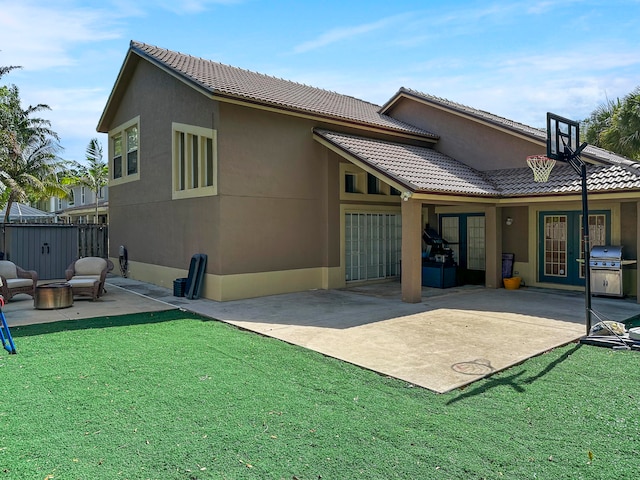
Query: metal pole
587, 252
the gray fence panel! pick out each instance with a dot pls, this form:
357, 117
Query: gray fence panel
49, 249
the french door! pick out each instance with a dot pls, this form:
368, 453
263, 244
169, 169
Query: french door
373, 245
561, 247
465, 234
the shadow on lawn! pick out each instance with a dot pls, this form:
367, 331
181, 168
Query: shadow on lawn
105, 322
514, 381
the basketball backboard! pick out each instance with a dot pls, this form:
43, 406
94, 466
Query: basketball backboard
563, 137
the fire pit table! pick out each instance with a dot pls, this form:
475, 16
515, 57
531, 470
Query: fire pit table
51, 296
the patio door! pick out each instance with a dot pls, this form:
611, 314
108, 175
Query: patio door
373, 246
465, 234
561, 244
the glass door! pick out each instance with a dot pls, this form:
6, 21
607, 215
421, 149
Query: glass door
373, 246
560, 246
465, 235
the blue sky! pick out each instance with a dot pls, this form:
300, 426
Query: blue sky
517, 59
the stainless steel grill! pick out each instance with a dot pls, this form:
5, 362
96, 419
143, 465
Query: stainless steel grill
605, 265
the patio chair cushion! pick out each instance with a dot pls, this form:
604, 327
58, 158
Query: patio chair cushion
82, 282
89, 266
19, 282
8, 269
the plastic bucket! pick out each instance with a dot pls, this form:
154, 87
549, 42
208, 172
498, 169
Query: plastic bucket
512, 283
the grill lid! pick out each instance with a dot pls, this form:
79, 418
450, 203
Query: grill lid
606, 256
607, 252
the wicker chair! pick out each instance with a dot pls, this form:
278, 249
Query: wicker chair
15, 280
87, 275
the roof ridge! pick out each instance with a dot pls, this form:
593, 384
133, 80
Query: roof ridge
234, 82
253, 72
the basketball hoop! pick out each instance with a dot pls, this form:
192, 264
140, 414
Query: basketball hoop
541, 166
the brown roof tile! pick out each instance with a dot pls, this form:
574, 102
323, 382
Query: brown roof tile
423, 169
564, 179
234, 82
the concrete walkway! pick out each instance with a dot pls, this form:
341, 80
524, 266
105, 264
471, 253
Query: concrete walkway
453, 337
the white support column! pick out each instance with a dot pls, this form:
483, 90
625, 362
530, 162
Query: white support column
411, 251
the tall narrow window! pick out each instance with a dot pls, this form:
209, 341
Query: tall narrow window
124, 149
208, 163
194, 161
132, 150
117, 156
182, 160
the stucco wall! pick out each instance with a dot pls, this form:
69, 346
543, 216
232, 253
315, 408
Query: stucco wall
515, 237
143, 217
277, 206
466, 140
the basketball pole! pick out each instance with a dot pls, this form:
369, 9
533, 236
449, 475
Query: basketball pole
573, 159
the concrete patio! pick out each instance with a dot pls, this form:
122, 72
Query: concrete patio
452, 338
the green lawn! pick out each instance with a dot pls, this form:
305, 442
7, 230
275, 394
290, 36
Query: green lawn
171, 395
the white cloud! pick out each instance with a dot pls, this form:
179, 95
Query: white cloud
38, 36
346, 33
187, 7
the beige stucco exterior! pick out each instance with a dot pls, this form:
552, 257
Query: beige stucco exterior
276, 222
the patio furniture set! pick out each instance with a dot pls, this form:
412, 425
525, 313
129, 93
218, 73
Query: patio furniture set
83, 277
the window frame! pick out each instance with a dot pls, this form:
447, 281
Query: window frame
126, 173
194, 158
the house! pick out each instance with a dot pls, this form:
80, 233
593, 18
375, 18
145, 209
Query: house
286, 187
80, 206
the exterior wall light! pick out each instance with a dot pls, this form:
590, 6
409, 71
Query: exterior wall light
509, 221
406, 195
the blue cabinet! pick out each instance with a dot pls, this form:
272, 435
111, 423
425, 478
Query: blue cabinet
438, 275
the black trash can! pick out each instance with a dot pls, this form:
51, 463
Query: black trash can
179, 286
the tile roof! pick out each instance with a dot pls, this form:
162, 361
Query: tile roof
425, 170
419, 168
565, 180
591, 151
242, 84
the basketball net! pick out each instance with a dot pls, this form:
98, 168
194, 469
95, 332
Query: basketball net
541, 166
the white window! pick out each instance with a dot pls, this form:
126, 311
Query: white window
124, 144
194, 161
83, 195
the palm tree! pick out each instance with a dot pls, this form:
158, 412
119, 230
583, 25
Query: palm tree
94, 174
29, 165
627, 122
599, 121
616, 126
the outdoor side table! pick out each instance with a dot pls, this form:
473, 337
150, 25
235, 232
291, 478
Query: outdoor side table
51, 296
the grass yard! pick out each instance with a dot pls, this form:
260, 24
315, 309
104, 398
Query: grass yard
172, 395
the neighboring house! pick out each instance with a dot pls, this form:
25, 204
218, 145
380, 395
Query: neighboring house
80, 206
287, 187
